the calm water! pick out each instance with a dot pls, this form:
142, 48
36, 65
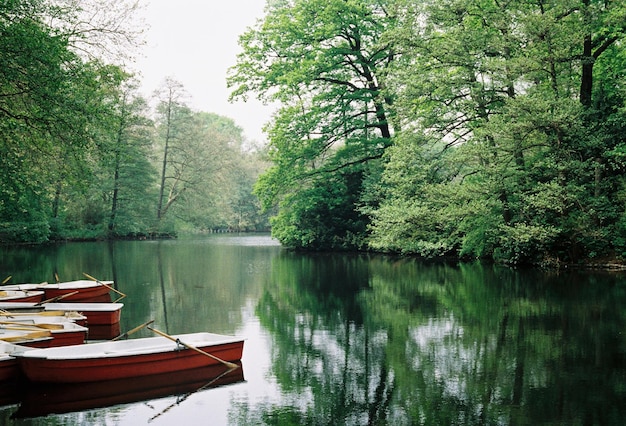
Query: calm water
347, 339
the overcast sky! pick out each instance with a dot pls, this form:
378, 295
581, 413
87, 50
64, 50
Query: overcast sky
195, 42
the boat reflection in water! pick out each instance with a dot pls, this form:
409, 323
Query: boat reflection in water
43, 399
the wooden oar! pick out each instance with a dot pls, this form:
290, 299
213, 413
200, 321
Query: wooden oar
47, 326
107, 286
193, 348
6, 280
134, 330
56, 298
42, 313
27, 336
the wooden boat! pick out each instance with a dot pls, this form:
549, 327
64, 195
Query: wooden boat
33, 338
104, 331
37, 312
88, 290
48, 398
95, 313
129, 358
63, 331
9, 366
15, 296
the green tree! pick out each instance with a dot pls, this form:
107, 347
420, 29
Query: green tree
51, 106
516, 153
127, 160
325, 63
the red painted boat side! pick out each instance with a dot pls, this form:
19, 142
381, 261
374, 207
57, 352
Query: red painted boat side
88, 294
97, 313
9, 369
31, 296
112, 368
39, 343
103, 317
68, 338
104, 331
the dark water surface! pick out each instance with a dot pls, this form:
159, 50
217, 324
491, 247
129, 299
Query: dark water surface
344, 339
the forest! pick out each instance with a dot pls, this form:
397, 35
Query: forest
473, 129
84, 156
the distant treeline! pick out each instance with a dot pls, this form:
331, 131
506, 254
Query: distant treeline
84, 156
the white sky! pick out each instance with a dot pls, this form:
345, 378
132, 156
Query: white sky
195, 42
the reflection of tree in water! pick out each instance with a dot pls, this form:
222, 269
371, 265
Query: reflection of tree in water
409, 343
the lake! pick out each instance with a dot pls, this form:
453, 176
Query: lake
345, 339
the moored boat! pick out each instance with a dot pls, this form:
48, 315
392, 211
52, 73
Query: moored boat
9, 367
29, 337
16, 296
64, 332
95, 313
56, 315
129, 358
88, 291
85, 290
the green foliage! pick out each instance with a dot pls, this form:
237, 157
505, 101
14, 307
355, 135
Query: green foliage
325, 63
525, 137
322, 216
77, 147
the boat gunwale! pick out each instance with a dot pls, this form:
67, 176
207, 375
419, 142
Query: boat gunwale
129, 348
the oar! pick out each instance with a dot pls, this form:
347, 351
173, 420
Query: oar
134, 330
193, 348
26, 336
6, 280
42, 313
56, 298
106, 285
46, 326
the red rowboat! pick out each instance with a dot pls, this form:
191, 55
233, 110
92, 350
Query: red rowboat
16, 296
33, 338
64, 331
95, 313
88, 291
129, 358
9, 367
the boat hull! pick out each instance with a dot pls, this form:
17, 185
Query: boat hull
90, 292
9, 369
86, 290
96, 313
16, 296
114, 360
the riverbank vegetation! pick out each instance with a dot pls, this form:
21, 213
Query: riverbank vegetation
464, 128
471, 128
84, 156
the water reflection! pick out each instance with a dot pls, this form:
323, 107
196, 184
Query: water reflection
363, 339
41, 400
359, 340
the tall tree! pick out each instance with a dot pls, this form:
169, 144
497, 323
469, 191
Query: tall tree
501, 115
325, 62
